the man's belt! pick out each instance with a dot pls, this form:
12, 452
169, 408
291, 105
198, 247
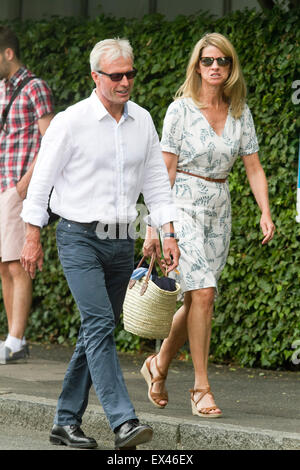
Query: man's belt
104, 230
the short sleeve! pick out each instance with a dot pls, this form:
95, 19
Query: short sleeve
248, 143
41, 97
172, 134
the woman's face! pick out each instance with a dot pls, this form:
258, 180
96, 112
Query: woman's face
213, 74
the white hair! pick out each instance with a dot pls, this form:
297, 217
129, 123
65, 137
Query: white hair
112, 49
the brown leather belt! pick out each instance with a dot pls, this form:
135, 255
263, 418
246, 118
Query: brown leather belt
206, 178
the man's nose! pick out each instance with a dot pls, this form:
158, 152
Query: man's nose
124, 81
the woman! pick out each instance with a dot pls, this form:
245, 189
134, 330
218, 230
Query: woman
206, 128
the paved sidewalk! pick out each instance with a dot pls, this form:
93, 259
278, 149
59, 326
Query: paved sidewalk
261, 409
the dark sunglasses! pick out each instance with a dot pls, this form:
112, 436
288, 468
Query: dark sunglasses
117, 77
221, 61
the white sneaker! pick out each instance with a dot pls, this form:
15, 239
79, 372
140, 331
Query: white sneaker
7, 356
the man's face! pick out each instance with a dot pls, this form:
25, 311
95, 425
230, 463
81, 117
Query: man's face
4, 66
114, 93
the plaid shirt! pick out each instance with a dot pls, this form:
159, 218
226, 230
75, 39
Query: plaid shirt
20, 138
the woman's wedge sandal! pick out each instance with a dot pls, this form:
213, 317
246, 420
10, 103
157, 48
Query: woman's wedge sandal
154, 397
203, 412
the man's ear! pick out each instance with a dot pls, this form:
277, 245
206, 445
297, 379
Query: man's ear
95, 77
9, 54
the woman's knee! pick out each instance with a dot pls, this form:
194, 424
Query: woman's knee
204, 297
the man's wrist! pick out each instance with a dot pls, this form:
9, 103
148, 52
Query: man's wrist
32, 231
151, 232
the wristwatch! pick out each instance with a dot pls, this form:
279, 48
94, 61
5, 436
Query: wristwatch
171, 235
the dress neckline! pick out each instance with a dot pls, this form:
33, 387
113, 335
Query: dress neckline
211, 127
208, 123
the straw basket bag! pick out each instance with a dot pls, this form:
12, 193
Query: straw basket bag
148, 310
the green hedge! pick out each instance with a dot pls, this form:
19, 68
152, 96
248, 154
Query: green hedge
257, 315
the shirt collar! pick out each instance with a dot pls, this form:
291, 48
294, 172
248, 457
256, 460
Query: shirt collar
129, 110
17, 77
101, 111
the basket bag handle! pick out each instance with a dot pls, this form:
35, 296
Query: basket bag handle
145, 284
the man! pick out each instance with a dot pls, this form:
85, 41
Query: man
20, 136
99, 155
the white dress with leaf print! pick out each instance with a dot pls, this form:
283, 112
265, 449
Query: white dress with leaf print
204, 208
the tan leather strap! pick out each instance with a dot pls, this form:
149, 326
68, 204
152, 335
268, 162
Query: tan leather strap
154, 259
206, 178
203, 392
145, 284
157, 396
161, 376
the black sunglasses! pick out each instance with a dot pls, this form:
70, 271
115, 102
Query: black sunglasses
221, 61
117, 77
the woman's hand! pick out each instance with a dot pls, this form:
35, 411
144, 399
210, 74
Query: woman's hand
171, 254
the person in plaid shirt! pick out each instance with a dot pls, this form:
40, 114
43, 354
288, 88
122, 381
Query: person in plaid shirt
20, 138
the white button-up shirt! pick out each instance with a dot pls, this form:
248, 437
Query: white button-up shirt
99, 167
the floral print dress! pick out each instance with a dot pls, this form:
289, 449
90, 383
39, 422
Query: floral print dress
204, 207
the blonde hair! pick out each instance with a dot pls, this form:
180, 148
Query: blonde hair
234, 88
112, 49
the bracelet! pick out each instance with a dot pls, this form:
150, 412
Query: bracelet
171, 235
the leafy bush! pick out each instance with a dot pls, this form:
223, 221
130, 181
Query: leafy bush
257, 315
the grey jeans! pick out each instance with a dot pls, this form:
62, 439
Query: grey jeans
97, 272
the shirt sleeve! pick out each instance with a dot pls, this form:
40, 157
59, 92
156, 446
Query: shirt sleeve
248, 143
55, 152
156, 186
41, 97
172, 134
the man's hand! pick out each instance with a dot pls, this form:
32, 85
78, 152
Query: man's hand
21, 188
32, 254
151, 243
170, 248
267, 227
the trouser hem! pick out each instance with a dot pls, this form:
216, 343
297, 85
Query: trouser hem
123, 420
